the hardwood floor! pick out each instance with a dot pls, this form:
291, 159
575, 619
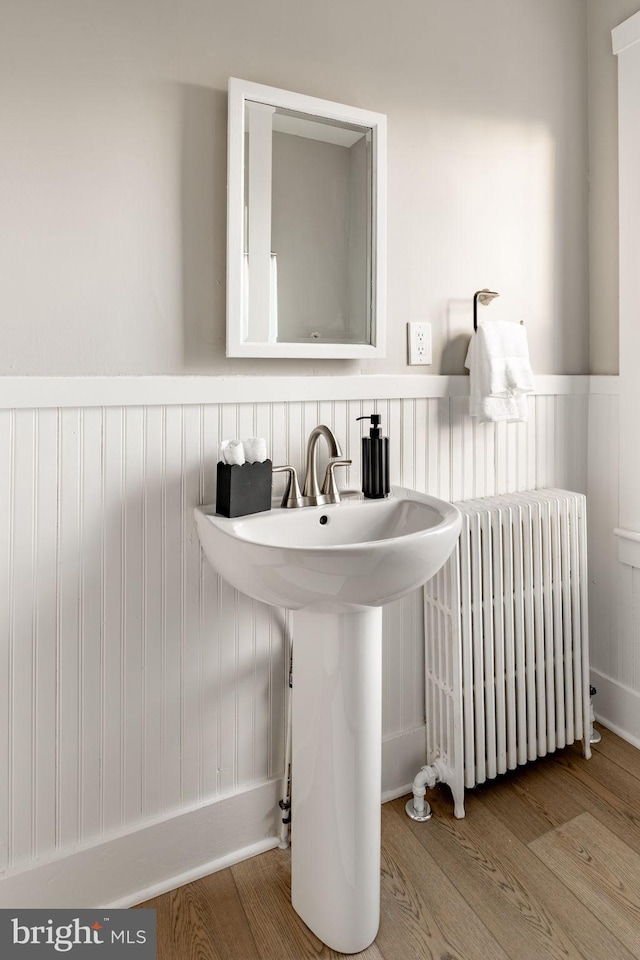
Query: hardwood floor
546, 864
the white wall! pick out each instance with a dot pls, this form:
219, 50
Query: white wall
616, 656
112, 171
628, 50
603, 16
614, 587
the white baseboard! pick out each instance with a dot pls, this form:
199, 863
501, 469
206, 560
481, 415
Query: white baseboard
402, 758
617, 707
135, 866
139, 864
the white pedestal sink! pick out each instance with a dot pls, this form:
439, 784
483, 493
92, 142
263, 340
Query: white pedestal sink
335, 566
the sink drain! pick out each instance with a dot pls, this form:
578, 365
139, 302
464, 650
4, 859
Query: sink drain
324, 519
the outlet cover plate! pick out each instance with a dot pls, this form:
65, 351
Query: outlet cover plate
419, 343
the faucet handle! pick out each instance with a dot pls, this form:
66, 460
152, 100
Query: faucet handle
292, 496
329, 486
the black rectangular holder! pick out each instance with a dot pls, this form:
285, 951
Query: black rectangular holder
243, 488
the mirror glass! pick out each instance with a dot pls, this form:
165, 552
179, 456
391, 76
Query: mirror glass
305, 239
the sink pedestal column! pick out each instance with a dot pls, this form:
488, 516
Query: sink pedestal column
336, 774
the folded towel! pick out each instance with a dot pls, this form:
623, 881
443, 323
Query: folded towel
232, 451
500, 372
255, 449
489, 409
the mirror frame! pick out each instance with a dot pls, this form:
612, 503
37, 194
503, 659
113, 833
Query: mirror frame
239, 92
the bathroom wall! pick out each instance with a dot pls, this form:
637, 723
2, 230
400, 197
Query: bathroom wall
113, 153
143, 697
619, 696
614, 587
603, 16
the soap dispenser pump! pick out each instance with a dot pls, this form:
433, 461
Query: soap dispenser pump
375, 461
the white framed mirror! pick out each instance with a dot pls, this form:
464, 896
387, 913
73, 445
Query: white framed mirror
306, 226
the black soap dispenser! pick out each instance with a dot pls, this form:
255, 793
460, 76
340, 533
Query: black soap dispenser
375, 461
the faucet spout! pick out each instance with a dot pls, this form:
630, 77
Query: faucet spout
311, 487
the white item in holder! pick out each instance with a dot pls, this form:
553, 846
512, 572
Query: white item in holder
255, 449
500, 372
232, 451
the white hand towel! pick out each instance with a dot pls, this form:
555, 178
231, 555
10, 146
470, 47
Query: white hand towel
500, 372
232, 451
505, 347
490, 409
255, 449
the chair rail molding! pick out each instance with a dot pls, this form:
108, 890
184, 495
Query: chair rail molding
42, 392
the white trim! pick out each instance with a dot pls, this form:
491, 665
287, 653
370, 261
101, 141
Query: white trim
240, 93
604, 385
605, 722
31, 392
627, 534
626, 34
197, 873
138, 864
617, 707
402, 757
628, 546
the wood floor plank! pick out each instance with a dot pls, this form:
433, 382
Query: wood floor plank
166, 948
616, 787
505, 801
264, 884
523, 904
601, 870
529, 801
423, 915
475, 889
618, 751
597, 799
624, 784
203, 920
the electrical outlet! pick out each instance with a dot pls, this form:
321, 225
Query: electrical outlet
419, 343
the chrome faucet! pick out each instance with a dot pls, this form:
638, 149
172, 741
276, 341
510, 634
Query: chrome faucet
312, 494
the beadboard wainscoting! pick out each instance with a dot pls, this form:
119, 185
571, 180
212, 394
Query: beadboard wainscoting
614, 587
143, 698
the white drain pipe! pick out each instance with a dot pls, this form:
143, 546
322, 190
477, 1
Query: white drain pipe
285, 801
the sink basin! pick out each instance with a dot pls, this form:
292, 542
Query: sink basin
335, 566
341, 557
